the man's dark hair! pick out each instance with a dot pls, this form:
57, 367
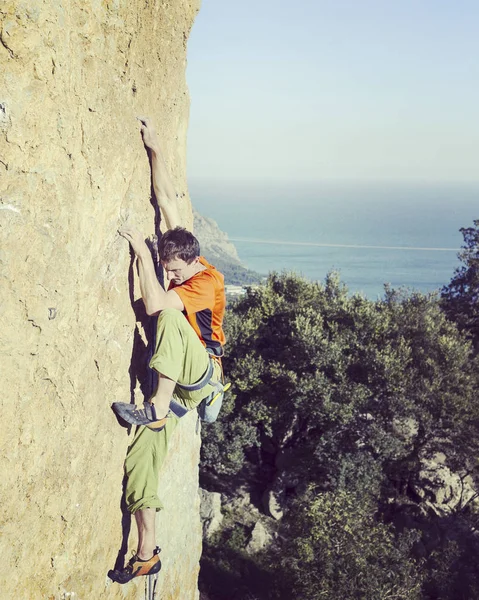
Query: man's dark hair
178, 243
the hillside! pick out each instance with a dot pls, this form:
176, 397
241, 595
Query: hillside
218, 250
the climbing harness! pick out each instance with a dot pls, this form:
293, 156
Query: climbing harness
208, 409
202, 382
210, 406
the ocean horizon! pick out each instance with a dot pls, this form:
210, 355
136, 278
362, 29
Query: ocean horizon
372, 233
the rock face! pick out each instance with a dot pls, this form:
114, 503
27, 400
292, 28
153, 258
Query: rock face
73, 169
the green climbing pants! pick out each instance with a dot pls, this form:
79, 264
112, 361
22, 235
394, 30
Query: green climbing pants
182, 357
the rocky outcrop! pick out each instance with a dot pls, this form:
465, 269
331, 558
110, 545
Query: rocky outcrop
260, 538
210, 512
239, 511
214, 241
73, 170
440, 490
273, 502
218, 250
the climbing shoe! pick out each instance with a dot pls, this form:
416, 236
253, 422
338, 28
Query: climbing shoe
139, 416
137, 567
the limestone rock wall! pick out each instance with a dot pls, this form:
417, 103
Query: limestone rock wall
73, 169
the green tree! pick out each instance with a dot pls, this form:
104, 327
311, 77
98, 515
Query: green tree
339, 397
460, 299
336, 548
319, 375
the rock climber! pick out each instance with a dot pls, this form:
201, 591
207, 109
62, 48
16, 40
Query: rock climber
189, 344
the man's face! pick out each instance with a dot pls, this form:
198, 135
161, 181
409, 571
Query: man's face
178, 270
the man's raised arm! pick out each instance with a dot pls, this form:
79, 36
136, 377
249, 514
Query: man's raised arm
162, 184
154, 296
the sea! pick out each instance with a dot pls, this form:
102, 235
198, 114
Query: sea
372, 233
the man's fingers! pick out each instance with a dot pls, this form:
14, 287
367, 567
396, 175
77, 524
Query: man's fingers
145, 121
126, 233
132, 235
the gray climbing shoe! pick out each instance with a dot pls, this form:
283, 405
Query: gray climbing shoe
139, 416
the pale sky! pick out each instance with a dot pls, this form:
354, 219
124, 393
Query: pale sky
342, 89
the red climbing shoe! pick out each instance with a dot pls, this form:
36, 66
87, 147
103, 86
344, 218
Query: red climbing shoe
137, 567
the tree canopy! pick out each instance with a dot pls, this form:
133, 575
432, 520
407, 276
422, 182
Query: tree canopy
337, 402
460, 299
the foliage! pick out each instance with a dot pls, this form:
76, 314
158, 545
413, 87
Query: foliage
320, 374
452, 570
338, 398
228, 572
460, 299
336, 548
234, 273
